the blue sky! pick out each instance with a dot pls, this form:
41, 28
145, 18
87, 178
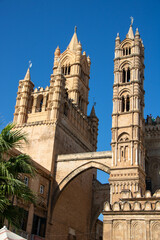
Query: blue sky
32, 29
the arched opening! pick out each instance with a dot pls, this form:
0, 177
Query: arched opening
127, 104
128, 75
40, 106
39, 103
126, 51
69, 70
124, 76
123, 51
123, 104
79, 204
46, 102
66, 70
129, 50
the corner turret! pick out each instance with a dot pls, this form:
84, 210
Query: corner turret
23, 99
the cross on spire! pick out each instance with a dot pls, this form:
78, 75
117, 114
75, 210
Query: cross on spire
132, 19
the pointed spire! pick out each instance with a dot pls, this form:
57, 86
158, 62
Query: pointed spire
74, 41
130, 33
137, 35
118, 38
27, 76
57, 52
93, 113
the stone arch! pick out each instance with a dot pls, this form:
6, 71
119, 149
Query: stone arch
124, 64
124, 91
126, 42
61, 186
80, 169
123, 136
67, 57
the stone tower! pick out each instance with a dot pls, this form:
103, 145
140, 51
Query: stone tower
62, 105
56, 122
127, 117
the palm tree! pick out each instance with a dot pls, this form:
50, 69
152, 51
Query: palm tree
12, 169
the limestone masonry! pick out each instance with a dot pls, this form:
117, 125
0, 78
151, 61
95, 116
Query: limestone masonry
63, 142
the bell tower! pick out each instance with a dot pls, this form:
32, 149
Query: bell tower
127, 118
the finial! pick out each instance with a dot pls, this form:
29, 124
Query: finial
94, 102
117, 34
30, 64
75, 29
132, 19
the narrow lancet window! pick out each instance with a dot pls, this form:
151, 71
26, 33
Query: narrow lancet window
126, 51
127, 104
40, 106
123, 104
124, 76
69, 70
128, 75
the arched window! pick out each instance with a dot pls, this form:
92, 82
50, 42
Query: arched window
47, 101
129, 50
39, 103
123, 104
128, 75
40, 106
69, 70
123, 51
126, 51
124, 76
65, 72
127, 104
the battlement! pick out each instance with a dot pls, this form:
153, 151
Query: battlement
152, 121
147, 202
86, 125
152, 126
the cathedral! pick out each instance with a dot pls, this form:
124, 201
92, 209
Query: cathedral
63, 142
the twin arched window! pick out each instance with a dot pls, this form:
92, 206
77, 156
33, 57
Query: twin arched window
126, 51
125, 104
66, 70
126, 75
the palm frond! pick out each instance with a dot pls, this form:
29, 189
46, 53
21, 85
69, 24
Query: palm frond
11, 138
20, 164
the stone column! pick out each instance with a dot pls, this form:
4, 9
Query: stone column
34, 104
